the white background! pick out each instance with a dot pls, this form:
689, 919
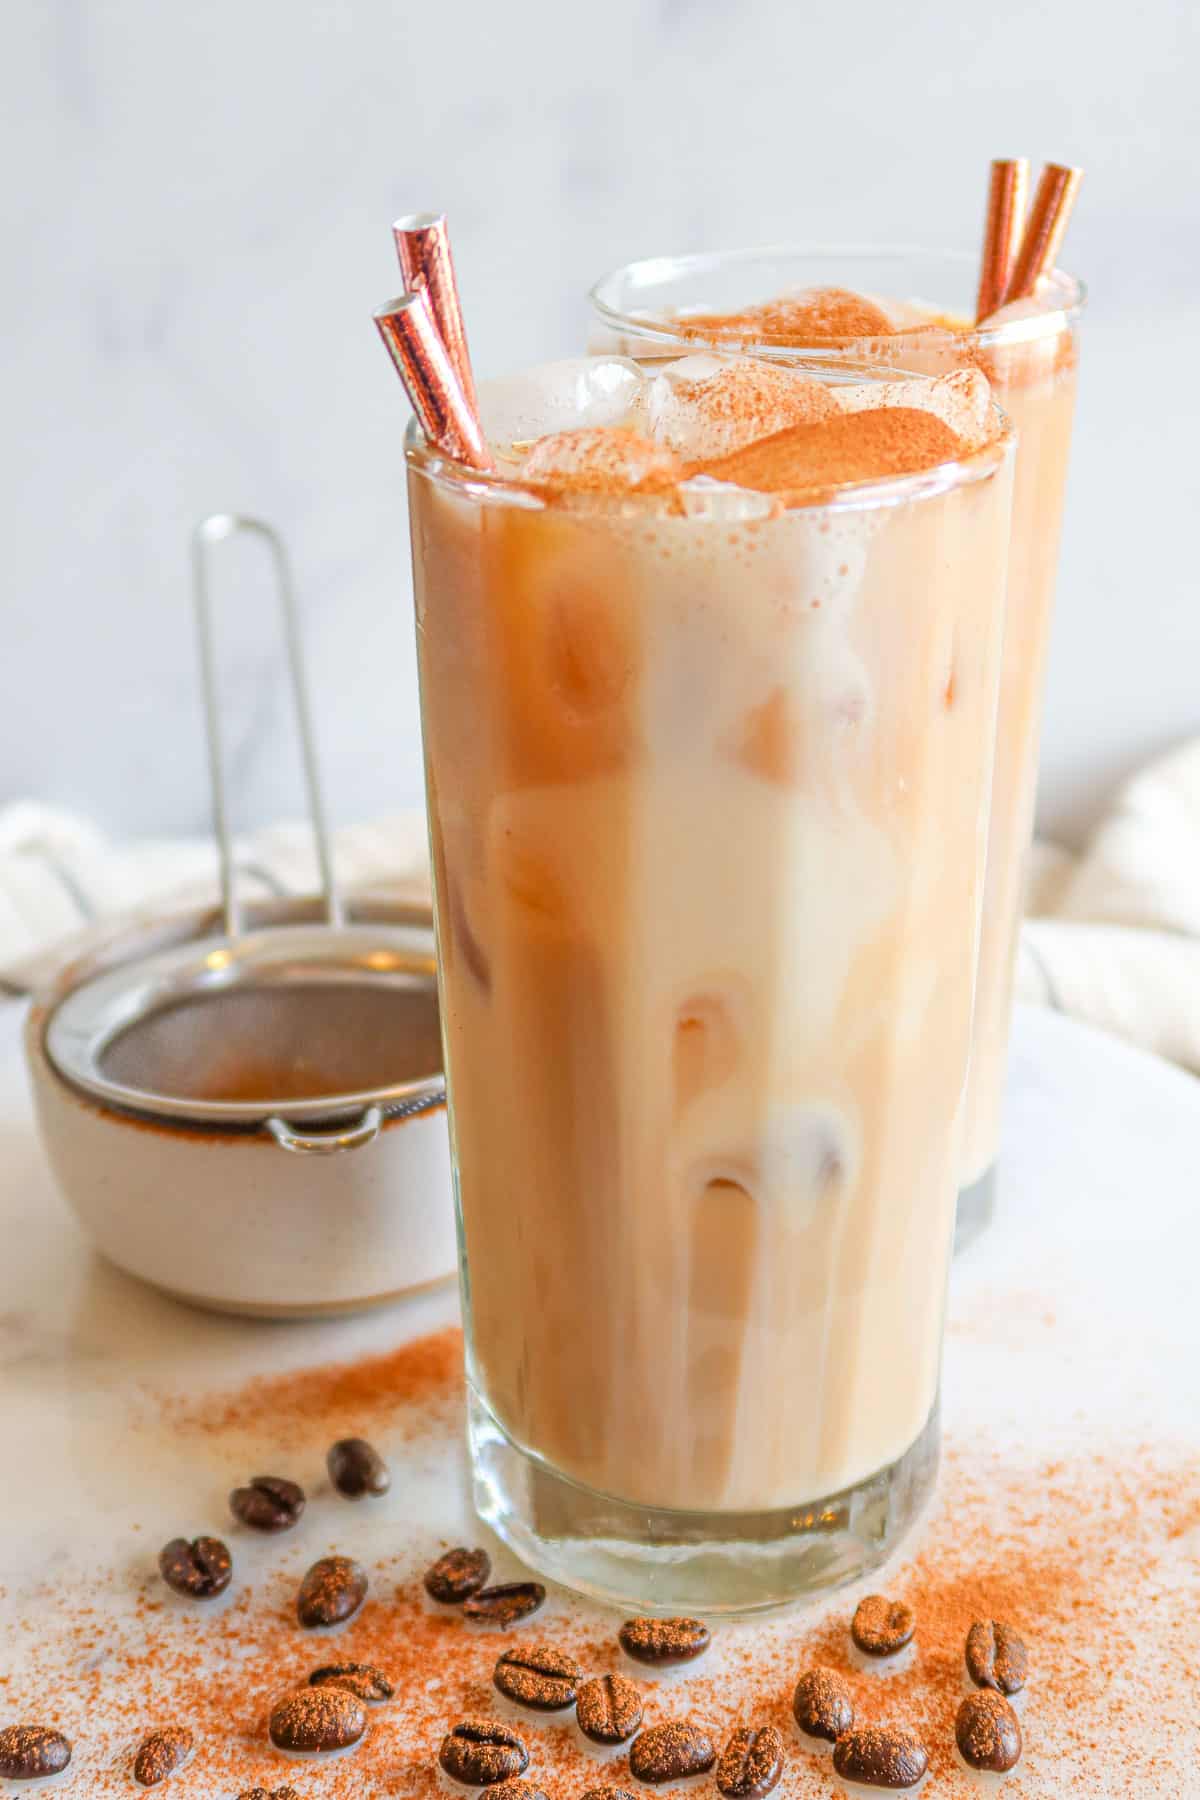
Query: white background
196, 211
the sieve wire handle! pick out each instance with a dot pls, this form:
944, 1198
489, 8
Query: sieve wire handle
218, 528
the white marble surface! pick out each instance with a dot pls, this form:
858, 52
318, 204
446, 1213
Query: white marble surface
197, 229
1074, 1345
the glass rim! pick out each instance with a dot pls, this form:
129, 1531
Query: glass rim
1064, 299
495, 487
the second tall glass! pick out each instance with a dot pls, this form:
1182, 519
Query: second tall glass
1031, 361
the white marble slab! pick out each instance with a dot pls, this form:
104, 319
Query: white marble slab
1073, 1347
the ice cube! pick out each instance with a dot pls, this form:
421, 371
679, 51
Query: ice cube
704, 406
963, 401
600, 461
577, 393
722, 502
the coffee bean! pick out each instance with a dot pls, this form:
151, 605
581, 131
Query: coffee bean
267, 1503
517, 1790
332, 1590
751, 1763
325, 1718
823, 1705
356, 1468
505, 1604
160, 1753
542, 1678
609, 1709
664, 1641
482, 1752
261, 1793
202, 1569
457, 1575
27, 1751
883, 1756
363, 1679
881, 1626
670, 1752
608, 1793
988, 1732
996, 1657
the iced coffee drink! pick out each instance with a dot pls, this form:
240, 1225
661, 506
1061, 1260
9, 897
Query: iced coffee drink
913, 311
709, 672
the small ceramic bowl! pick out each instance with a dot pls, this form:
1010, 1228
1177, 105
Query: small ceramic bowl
281, 1152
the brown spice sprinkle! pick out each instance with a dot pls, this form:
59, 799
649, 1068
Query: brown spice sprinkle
160, 1753
817, 315
882, 1627
300, 1408
331, 1592
807, 461
517, 1790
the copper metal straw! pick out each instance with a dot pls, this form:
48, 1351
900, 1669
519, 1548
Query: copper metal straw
1008, 190
1048, 219
422, 361
423, 246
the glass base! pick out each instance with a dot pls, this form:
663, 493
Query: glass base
651, 1559
976, 1204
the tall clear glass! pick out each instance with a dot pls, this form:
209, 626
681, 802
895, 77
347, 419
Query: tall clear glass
707, 802
1032, 364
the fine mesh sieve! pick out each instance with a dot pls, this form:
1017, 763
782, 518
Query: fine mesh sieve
316, 1032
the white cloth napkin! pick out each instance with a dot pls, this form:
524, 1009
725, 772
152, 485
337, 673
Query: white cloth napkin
1112, 937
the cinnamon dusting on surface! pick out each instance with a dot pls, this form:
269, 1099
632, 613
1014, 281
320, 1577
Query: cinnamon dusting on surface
853, 447
817, 315
314, 1404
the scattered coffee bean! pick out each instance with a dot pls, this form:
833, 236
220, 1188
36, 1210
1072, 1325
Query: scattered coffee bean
883, 1756
202, 1569
541, 1678
457, 1575
482, 1752
670, 1752
608, 1793
823, 1705
356, 1468
996, 1657
324, 1718
160, 1753
363, 1679
988, 1732
267, 1503
261, 1793
332, 1591
27, 1751
881, 1626
517, 1790
664, 1641
609, 1709
751, 1762
505, 1604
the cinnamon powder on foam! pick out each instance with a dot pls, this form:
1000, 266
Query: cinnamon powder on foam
853, 447
1075, 1554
